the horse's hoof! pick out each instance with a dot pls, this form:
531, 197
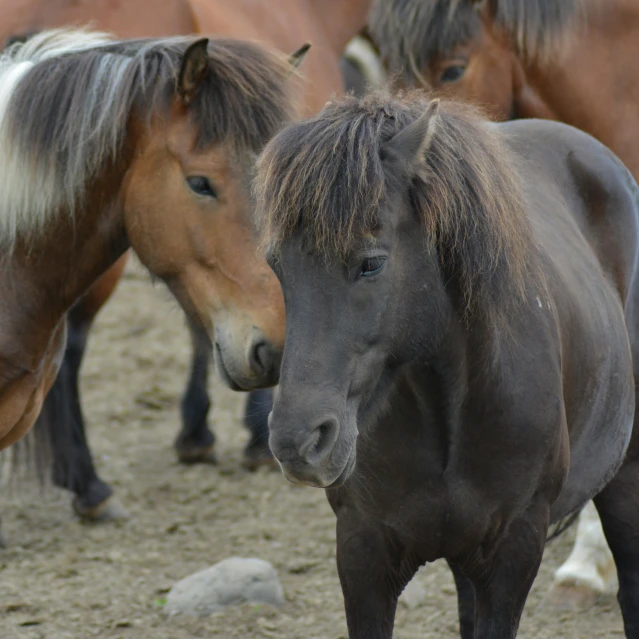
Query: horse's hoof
197, 455
572, 595
109, 510
259, 457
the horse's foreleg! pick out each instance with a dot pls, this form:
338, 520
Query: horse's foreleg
589, 571
618, 506
195, 442
373, 574
503, 575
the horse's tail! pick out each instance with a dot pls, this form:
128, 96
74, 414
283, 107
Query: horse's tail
32, 457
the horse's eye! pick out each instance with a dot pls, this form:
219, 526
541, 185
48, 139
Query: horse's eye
371, 266
201, 185
452, 73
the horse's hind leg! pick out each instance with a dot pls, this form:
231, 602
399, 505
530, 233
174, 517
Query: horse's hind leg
590, 570
195, 442
62, 414
618, 506
257, 452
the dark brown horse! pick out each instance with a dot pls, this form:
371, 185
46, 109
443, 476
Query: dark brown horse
572, 61
458, 372
102, 141
329, 24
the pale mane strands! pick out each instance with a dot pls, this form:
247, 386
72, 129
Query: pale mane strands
28, 193
410, 33
66, 115
326, 178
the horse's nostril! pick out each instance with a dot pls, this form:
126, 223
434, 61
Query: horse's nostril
320, 442
260, 358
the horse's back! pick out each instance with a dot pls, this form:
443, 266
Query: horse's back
601, 195
142, 18
583, 206
285, 25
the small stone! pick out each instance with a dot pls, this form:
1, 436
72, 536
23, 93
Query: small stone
414, 594
230, 582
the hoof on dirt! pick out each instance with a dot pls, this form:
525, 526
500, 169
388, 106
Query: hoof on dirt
197, 455
259, 457
571, 595
109, 510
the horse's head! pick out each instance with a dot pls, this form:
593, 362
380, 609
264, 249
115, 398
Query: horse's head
189, 209
390, 224
474, 50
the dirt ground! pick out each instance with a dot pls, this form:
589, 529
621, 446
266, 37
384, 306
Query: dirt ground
60, 579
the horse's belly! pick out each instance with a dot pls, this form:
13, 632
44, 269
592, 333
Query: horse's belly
600, 435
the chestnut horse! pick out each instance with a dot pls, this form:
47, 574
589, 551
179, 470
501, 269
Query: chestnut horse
329, 24
461, 329
102, 141
573, 61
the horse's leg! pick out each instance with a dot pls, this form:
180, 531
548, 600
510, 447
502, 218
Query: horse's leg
465, 603
589, 571
618, 506
62, 412
373, 573
73, 463
258, 406
503, 579
195, 442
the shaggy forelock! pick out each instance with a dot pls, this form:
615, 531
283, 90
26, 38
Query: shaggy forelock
411, 33
326, 179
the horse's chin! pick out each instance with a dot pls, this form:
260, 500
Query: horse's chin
223, 372
235, 380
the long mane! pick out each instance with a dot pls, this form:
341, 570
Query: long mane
410, 33
67, 95
327, 179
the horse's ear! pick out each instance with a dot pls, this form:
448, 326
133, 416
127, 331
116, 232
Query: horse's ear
194, 68
410, 145
295, 59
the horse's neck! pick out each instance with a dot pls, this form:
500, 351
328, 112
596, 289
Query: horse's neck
594, 86
46, 275
341, 19
286, 25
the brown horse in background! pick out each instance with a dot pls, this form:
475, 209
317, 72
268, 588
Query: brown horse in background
329, 24
570, 60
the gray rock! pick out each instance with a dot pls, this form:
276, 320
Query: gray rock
232, 581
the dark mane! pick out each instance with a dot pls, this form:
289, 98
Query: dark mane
410, 33
68, 113
326, 178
